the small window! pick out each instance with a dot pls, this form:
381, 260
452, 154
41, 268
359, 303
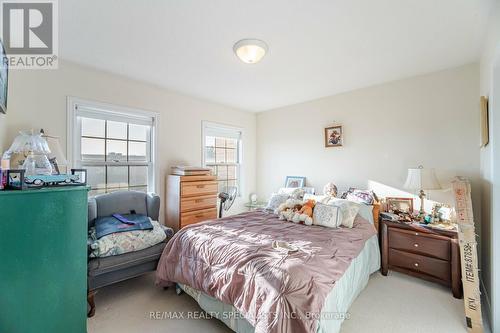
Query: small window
222, 154
116, 148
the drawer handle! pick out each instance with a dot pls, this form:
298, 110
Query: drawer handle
416, 245
200, 186
416, 234
198, 200
416, 264
199, 215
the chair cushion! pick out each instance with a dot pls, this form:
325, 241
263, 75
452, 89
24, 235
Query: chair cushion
98, 266
127, 241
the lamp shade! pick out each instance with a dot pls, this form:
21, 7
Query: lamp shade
422, 179
28, 142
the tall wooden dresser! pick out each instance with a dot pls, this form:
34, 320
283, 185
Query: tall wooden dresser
190, 199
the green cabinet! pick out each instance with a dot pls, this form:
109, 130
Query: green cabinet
43, 260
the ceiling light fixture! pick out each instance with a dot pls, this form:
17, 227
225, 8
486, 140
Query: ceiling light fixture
250, 51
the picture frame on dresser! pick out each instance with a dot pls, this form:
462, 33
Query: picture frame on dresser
394, 204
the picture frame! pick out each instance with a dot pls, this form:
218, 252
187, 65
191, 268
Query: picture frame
4, 79
334, 136
485, 130
295, 181
404, 205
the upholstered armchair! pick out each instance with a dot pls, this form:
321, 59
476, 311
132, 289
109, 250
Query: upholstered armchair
108, 270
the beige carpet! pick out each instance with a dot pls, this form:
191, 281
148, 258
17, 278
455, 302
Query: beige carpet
393, 304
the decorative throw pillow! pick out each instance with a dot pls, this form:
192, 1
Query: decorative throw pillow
276, 200
124, 242
293, 192
367, 197
326, 215
348, 211
318, 198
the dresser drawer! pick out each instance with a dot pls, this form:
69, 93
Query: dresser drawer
434, 267
421, 243
190, 189
198, 216
196, 203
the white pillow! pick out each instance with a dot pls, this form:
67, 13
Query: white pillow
366, 212
292, 192
318, 198
276, 200
348, 210
326, 215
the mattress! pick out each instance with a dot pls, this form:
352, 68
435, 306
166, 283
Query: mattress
335, 308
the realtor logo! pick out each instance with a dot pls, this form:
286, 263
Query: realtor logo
29, 33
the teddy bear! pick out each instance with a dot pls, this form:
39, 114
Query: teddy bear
290, 204
305, 213
297, 211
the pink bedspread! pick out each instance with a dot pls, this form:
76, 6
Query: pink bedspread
232, 260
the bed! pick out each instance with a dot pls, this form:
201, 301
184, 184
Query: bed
230, 268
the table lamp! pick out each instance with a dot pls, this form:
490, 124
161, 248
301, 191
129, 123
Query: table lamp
56, 156
420, 179
35, 149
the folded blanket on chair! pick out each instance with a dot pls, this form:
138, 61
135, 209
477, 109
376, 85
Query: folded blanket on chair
110, 224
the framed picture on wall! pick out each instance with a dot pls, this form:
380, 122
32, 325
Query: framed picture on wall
334, 136
293, 181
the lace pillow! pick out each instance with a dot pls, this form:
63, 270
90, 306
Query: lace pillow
276, 200
326, 215
348, 210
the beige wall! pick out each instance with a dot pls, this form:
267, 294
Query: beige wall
38, 100
431, 120
490, 231
3, 132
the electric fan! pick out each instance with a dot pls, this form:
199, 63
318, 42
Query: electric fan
227, 197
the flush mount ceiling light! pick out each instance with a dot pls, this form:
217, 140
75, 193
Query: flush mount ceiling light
250, 51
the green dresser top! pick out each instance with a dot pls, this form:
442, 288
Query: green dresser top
46, 190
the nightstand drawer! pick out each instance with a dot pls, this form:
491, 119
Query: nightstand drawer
198, 216
420, 243
434, 267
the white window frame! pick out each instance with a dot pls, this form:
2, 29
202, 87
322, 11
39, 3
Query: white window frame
221, 128
110, 112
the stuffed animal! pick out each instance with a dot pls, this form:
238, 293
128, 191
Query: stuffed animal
296, 211
330, 190
293, 204
307, 208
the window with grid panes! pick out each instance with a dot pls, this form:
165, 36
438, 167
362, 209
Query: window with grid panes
222, 155
116, 153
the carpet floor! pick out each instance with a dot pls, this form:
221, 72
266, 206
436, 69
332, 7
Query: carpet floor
393, 304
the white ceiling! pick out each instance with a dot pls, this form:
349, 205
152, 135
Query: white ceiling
316, 47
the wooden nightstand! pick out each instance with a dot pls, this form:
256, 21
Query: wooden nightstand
423, 252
